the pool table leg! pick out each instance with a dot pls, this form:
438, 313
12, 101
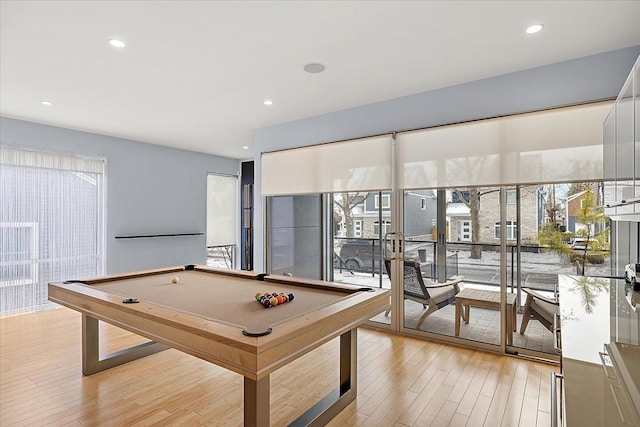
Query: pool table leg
331, 405
256, 402
349, 362
257, 393
91, 360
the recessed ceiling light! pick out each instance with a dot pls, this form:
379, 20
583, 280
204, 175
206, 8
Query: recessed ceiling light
116, 43
244, 147
534, 28
314, 68
46, 103
268, 102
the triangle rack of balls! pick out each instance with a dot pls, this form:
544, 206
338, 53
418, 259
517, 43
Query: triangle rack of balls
272, 299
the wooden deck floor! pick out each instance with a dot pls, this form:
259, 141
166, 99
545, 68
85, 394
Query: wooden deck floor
403, 381
484, 326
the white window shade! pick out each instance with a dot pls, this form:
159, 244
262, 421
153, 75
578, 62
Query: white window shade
558, 145
39, 159
222, 209
449, 156
356, 165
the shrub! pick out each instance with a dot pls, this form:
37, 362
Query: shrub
592, 257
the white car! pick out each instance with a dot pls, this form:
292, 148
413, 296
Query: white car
631, 273
581, 244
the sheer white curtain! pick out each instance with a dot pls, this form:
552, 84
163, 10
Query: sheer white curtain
51, 224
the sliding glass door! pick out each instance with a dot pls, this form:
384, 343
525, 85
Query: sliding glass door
453, 252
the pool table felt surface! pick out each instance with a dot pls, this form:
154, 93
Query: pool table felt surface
222, 298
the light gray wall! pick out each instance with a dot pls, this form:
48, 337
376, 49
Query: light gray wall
581, 80
150, 190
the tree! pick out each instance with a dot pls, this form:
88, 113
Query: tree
553, 239
595, 234
471, 198
577, 187
346, 203
551, 208
227, 255
593, 219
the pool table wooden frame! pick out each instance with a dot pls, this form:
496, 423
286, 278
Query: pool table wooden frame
223, 343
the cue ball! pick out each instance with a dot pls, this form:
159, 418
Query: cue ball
175, 280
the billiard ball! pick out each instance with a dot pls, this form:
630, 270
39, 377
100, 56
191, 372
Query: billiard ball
273, 301
258, 295
290, 297
175, 280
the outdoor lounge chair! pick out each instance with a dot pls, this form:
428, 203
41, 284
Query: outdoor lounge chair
540, 308
430, 294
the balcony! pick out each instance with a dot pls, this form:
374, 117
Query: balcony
539, 270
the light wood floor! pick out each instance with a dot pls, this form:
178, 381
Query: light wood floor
402, 381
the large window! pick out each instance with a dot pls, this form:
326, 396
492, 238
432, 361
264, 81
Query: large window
222, 213
459, 183
295, 235
16, 260
51, 224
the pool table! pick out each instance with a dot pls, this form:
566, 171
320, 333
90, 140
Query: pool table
213, 314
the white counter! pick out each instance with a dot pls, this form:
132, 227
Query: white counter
600, 353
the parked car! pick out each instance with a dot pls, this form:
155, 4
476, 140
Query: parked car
360, 255
363, 255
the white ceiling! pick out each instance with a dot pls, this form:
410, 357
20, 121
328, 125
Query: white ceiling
194, 74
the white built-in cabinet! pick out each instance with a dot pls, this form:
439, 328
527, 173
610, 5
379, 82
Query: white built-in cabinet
622, 152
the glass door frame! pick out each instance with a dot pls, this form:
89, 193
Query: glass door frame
397, 298
397, 314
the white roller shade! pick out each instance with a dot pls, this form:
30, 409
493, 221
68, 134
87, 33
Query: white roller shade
356, 165
222, 210
558, 145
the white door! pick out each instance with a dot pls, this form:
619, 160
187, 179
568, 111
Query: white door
357, 228
464, 230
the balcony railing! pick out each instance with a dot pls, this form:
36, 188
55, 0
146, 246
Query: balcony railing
220, 256
539, 266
